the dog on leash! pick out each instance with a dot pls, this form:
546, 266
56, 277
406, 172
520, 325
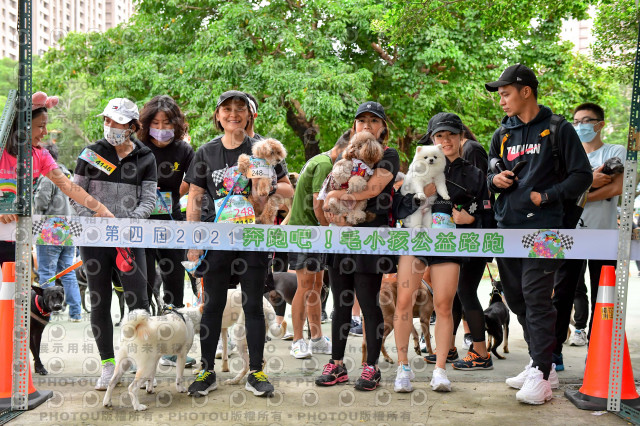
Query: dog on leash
233, 316
43, 303
145, 339
422, 308
496, 319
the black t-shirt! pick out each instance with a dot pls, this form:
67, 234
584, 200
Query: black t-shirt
212, 167
381, 204
173, 161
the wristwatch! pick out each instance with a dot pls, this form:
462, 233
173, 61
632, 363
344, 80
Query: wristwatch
544, 198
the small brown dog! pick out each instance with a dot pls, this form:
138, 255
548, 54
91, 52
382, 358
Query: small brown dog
272, 152
352, 173
422, 308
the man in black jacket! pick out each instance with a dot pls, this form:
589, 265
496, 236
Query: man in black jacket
533, 200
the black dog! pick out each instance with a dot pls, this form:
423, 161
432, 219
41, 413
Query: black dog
284, 289
496, 318
43, 303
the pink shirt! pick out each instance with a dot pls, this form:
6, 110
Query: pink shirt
42, 161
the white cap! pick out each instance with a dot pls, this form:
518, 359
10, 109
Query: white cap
121, 110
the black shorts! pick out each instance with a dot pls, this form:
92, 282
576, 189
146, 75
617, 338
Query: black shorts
312, 262
435, 260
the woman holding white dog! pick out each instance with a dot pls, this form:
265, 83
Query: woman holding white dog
215, 182
357, 274
466, 187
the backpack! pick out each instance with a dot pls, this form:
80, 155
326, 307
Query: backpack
572, 208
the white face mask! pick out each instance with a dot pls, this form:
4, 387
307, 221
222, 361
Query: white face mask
115, 136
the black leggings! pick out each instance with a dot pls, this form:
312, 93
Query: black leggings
367, 289
280, 264
171, 273
99, 263
470, 275
251, 268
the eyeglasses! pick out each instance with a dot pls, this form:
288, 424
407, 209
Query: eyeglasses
585, 120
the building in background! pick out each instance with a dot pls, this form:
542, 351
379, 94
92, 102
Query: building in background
53, 19
580, 33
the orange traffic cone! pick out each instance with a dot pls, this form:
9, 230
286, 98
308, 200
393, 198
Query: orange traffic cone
595, 385
7, 291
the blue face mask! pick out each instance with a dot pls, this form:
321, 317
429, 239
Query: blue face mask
585, 132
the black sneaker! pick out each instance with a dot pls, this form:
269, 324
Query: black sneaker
323, 317
432, 320
473, 361
370, 378
258, 383
452, 356
332, 374
204, 383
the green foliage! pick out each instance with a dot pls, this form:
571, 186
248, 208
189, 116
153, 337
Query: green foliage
310, 63
616, 32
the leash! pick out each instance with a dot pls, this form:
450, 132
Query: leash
164, 204
222, 206
428, 287
493, 281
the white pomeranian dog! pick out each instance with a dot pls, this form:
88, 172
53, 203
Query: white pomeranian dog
427, 167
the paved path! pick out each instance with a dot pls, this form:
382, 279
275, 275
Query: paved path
481, 396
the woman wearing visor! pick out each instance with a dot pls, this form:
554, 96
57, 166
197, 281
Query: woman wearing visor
212, 175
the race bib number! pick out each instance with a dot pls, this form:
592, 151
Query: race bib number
160, 207
260, 169
237, 210
442, 220
97, 161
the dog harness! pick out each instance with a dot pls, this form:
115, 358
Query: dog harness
170, 309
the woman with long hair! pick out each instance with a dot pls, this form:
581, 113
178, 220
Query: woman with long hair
360, 275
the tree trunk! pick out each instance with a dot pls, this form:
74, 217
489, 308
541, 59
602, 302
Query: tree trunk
404, 145
306, 130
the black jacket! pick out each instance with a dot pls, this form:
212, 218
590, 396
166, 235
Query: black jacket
531, 142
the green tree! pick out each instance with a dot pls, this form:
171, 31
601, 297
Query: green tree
616, 32
310, 63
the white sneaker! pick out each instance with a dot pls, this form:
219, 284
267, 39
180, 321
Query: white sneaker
578, 338
108, 368
287, 336
518, 381
535, 390
403, 379
439, 380
300, 349
323, 346
230, 347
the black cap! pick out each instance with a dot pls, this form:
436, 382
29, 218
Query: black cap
372, 107
233, 94
518, 73
445, 121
